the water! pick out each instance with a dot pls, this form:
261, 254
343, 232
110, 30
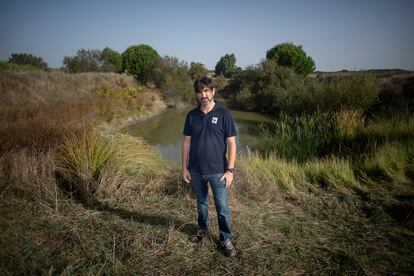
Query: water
165, 131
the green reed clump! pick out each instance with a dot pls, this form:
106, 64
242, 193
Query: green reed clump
80, 162
377, 150
320, 134
299, 137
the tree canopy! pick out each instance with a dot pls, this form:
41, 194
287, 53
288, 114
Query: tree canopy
111, 60
226, 66
137, 60
290, 55
28, 59
85, 60
197, 70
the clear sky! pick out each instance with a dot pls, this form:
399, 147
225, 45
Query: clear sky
337, 34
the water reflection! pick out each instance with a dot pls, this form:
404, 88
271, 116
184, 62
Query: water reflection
165, 130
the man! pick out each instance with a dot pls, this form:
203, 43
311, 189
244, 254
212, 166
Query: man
209, 131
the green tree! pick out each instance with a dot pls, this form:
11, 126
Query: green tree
197, 70
172, 77
85, 60
28, 59
137, 60
226, 66
288, 54
111, 60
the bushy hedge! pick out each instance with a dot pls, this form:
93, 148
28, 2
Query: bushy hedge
276, 89
173, 78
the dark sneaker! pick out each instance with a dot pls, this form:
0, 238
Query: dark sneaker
198, 236
228, 248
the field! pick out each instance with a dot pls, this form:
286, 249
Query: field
79, 197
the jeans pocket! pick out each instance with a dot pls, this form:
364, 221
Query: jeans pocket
223, 181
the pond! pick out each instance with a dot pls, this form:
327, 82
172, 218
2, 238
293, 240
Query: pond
164, 131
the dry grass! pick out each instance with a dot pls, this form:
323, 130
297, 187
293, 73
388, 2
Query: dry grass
135, 168
316, 217
131, 231
28, 174
39, 109
17, 89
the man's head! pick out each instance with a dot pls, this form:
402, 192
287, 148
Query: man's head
204, 90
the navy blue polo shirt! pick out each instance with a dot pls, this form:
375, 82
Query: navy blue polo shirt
209, 134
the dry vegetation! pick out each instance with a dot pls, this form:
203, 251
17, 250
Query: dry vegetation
77, 197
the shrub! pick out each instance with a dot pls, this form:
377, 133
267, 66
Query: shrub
396, 95
111, 60
356, 92
136, 60
12, 67
197, 70
105, 89
85, 60
266, 88
173, 79
245, 78
288, 54
220, 83
28, 59
276, 89
226, 66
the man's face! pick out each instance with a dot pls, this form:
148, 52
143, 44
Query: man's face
205, 96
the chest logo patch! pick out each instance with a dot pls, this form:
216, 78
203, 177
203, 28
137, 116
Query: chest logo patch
214, 120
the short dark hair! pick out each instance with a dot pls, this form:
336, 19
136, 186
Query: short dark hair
203, 82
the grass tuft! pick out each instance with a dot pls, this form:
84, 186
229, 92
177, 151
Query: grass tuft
135, 167
81, 160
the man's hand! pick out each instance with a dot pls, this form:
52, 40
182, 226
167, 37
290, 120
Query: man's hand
228, 177
186, 176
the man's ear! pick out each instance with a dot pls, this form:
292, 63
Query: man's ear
214, 91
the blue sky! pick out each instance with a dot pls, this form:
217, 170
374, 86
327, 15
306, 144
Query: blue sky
337, 34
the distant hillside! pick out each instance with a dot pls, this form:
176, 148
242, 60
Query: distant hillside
379, 73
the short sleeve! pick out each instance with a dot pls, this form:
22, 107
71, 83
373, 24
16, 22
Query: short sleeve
188, 130
230, 126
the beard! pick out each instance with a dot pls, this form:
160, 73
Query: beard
205, 101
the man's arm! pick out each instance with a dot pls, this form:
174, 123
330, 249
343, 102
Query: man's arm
231, 151
184, 158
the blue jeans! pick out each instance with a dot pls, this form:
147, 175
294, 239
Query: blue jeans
200, 187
